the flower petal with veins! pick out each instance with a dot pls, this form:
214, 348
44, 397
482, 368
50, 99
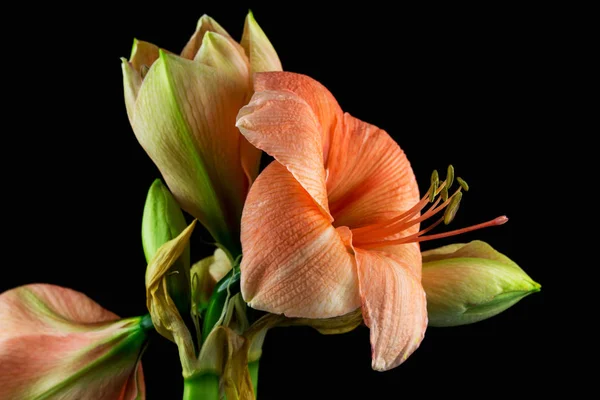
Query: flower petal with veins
394, 307
56, 342
295, 262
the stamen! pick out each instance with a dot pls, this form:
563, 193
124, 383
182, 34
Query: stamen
445, 193
450, 212
450, 176
401, 218
144, 70
463, 184
435, 181
378, 235
495, 222
406, 239
404, 225
401, 225
418, 237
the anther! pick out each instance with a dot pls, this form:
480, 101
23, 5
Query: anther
450, 212
144, 70
462, 184
435, 181
445, 193
450, 176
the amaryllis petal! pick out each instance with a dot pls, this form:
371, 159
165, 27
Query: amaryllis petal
58, 343
259, 49
224, 55
182, 108
205, 24
394, 307
369, 177
250, 157
285, 126
132, 81
143, 54
410, 253
321, 101
47, 308
295, 262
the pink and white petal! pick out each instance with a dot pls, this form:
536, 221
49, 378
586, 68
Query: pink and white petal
295, 262
43, 308
54, 341
135, 389
284, 125
369, 177
394, 307
39, 366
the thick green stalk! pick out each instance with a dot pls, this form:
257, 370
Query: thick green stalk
201, 387
253, 368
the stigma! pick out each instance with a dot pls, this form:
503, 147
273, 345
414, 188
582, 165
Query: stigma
435, 200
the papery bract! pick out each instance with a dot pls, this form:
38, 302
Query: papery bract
205, 275
58, 343
183, 109
166, 318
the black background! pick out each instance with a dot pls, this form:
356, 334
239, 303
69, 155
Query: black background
460, 86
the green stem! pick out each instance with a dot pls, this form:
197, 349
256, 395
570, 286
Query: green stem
146, 323
217, 300
253, 368
201, 387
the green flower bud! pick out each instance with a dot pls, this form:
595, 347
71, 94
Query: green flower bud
164, 221
467, 283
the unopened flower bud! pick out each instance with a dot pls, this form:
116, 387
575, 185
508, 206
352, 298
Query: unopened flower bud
467, 283
164, 221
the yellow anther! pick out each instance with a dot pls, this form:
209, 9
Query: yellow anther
450, 212
450, 176
435, 181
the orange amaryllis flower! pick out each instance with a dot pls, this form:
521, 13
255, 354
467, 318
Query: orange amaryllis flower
333, 224
58, 343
